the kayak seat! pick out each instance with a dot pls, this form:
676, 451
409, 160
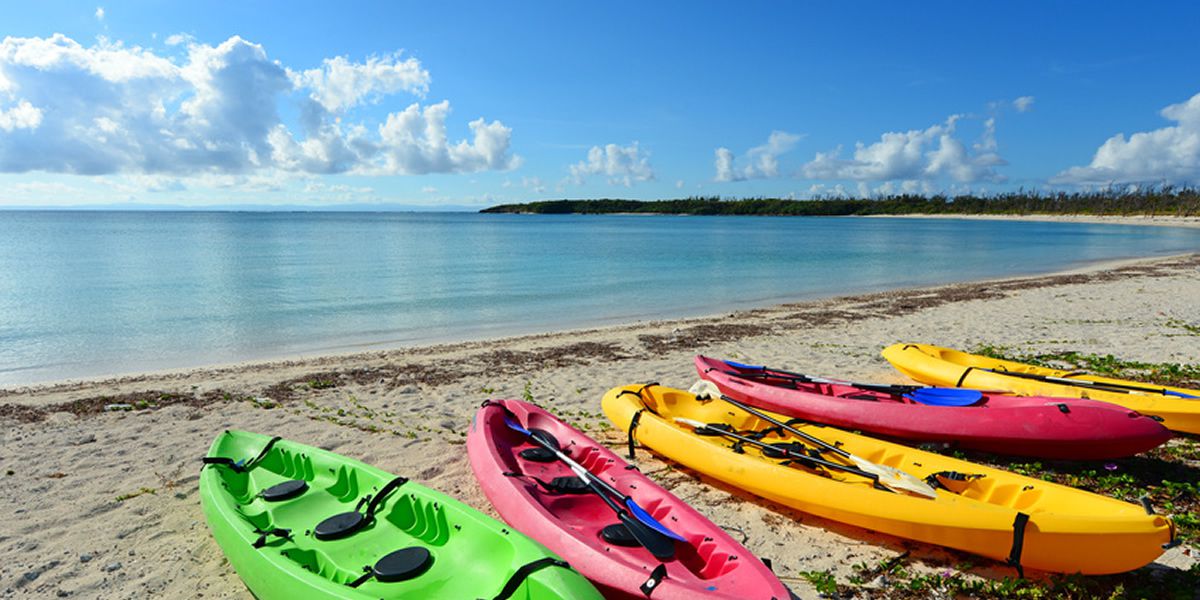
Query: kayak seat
400, 565
284, 491
348, 523
618, 534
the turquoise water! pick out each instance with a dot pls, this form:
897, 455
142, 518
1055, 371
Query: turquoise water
96, 293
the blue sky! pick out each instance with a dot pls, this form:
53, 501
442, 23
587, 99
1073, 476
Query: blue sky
471, 104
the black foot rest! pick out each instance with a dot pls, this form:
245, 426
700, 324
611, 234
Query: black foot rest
284, 491
538, 453
401, 565
568, 484
342, 525
618, 534
541, 455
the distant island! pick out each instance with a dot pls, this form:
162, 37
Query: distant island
1175, 202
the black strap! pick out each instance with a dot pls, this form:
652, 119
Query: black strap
633, 423
656, 576
567, 484
368, 573
639, 391
243, 467
518, 577
1063, 408
1014, 556
263, 534
933, 479
387, 489
963, 376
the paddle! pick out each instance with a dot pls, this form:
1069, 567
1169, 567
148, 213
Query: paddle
799, 457
890, 477
651, 534
1100, 385
935, 396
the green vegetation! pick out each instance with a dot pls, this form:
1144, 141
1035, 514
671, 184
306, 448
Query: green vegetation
1167, 201
1174, 374
891, 579
145, 490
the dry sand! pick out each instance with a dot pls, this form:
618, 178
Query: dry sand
65, 533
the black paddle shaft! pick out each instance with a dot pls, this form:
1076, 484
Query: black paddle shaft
1099, 385
895, 390
799, 457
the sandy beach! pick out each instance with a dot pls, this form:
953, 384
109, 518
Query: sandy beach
103, 503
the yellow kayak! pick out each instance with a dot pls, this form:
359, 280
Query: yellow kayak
1026, 522
1179, 408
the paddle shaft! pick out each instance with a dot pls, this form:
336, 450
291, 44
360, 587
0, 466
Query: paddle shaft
1100, 385
895, 390
801, 457
806, 437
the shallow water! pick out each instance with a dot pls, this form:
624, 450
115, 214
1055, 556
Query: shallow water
96, 293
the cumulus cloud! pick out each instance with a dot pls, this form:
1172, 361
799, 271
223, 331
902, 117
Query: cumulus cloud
22, 116
340, 84
915, 155
621, 164
759, 161
1167, 155
111, 108
1023, 104
99, 13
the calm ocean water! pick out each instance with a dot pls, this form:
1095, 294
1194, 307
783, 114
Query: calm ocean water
95, 293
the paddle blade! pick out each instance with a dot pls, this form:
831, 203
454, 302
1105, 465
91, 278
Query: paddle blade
944, 396
640, 514
895, 479
738, 365
661, 546
705, 389
1178, 394
514, 425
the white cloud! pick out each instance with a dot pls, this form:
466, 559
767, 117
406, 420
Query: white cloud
340, 84
22, 116
679, 184
99, 13
179, 39
930, 153
1023, 104
534, 183
1167, 155
215, 111
761, 161
621, 164
429, 189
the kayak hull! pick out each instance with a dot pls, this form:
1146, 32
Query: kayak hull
936, 365
1052, 428
1067, 530
411, 516
709, 565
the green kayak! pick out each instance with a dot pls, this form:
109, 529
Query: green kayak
300, 522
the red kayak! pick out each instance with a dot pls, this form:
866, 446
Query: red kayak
539, 495
1037, 426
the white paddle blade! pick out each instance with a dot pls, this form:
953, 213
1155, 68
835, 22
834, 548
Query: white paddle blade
894, 478
705, 390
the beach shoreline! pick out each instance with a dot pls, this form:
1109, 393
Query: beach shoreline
119, 485
1146, 220
373, 350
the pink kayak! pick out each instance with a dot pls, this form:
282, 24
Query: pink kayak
540, 496
1037, 426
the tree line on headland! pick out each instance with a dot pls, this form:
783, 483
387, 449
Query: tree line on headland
1164, 201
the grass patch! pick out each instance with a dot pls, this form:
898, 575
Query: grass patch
131, 495
1173, 374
